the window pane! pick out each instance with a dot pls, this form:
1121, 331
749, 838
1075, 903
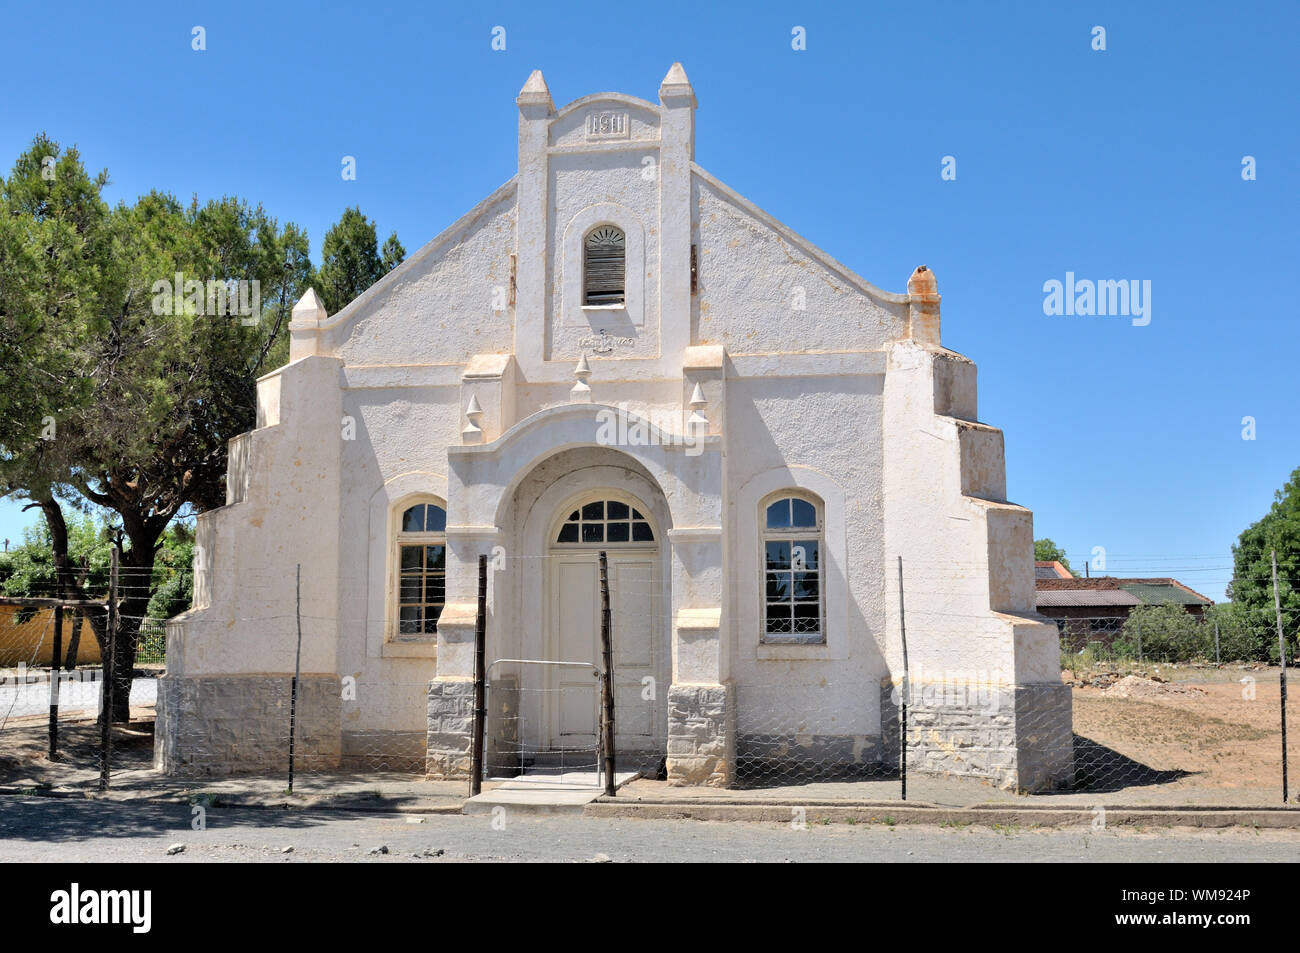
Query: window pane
778, 515
636, 515
573, 517
805, 514
778, 587
568, 533
778, 618
806, 586
641, 533
594, 511
413, 519
411, 557
410, 589
409, 623
433, 590
431, 614
807, 617
804, 554
436, 557
778, 555
435, 519
593, 532
617, 510
619, 533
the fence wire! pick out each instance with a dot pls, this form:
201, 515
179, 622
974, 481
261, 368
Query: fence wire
1176, 704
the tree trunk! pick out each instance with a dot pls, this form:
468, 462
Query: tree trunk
74, 641
135, 579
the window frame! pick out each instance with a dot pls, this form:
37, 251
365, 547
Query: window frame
579, 503
816, 533
399, 538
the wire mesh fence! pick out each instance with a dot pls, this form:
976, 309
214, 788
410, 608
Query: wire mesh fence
1142, 707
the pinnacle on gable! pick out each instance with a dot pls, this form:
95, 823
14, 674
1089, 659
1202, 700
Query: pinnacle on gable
535, 92
309, 307
676, 85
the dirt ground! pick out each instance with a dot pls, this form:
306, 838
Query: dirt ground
24, 749
1197, 726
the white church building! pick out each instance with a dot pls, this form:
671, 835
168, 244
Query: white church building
616, 352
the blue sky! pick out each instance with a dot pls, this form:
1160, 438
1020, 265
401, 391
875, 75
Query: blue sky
1122, 164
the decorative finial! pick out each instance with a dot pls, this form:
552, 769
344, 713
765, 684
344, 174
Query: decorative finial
581, 392
697, 423
473, 433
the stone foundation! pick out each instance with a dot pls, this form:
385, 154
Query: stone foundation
701, 735
1019, 737
230, 724
382, 750
807, 757
451, 728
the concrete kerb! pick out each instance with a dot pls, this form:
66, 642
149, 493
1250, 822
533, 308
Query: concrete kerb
910, 812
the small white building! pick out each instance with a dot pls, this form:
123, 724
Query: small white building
614, 351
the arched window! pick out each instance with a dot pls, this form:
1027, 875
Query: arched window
604, 259
605, 521
792, 569
421, 555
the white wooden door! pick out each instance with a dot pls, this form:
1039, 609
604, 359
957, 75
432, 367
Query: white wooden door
574, 695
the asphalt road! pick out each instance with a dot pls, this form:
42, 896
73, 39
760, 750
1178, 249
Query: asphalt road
47, 829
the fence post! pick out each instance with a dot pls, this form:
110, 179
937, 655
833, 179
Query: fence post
55, 671
607, 654
106, 689
297, 671
480, 678
1281, 655
902, 733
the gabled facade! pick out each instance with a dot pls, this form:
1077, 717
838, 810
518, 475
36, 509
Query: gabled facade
614, 351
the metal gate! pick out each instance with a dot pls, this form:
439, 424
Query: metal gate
521, 692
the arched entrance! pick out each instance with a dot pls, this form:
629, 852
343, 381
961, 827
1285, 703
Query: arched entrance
622, 525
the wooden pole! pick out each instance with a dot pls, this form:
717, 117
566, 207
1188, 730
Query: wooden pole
480, 681
297, 673
902, 734
56, 668
1281, 655
607, 657
106, 690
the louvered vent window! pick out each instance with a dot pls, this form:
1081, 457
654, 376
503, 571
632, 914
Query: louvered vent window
604, 258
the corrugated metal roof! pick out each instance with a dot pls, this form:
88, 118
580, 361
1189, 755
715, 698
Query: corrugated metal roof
1087, 597
1156, 594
